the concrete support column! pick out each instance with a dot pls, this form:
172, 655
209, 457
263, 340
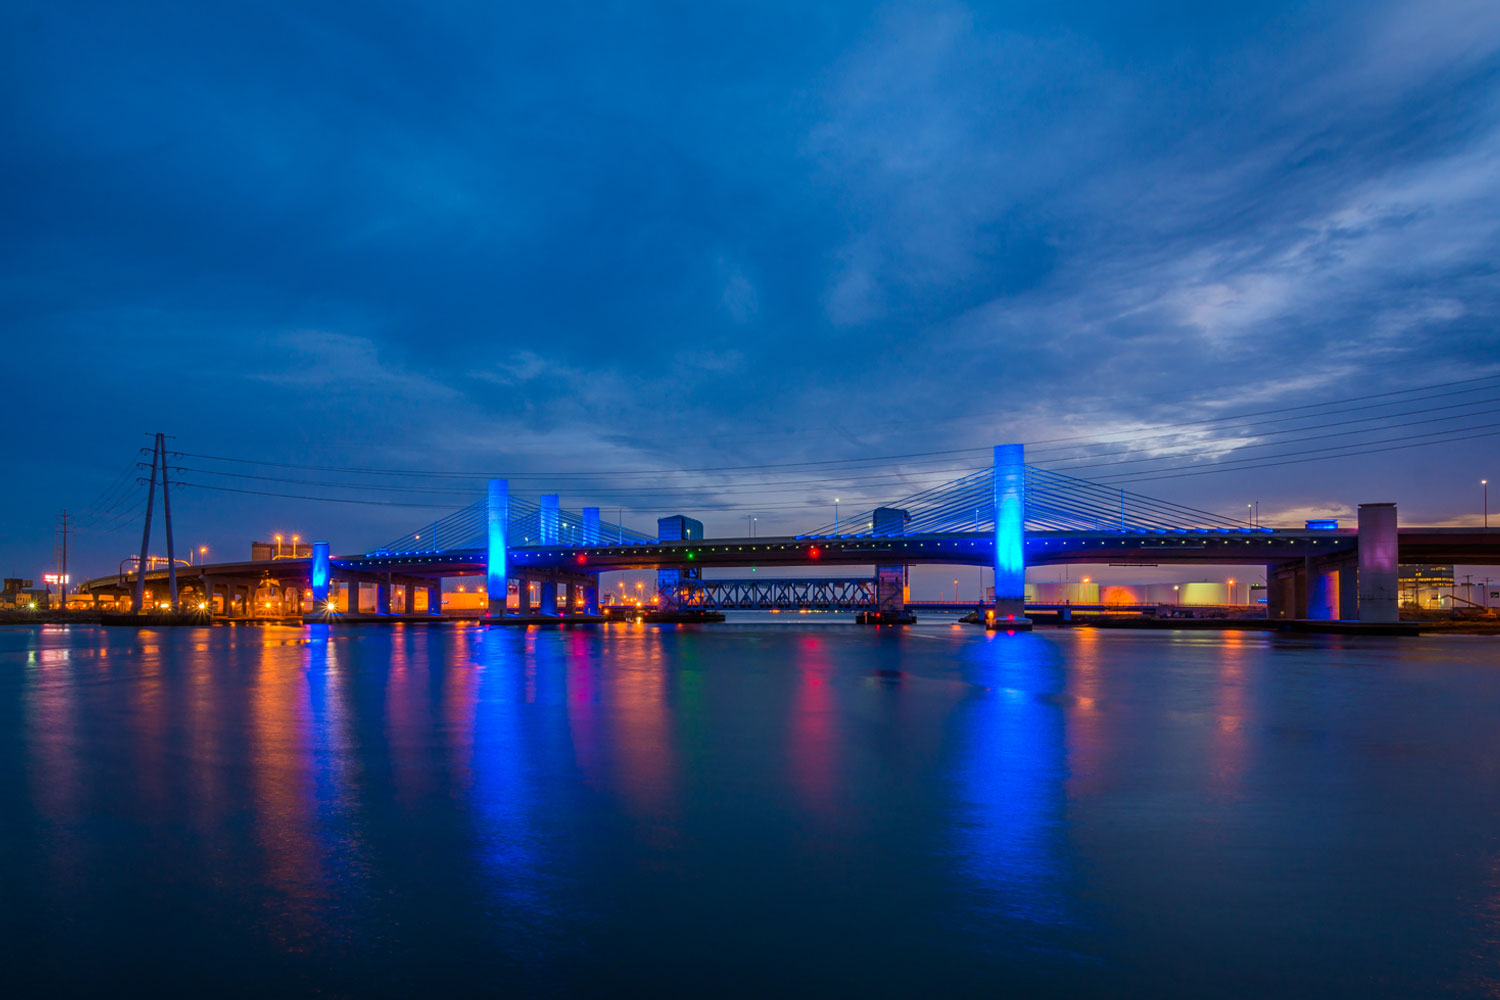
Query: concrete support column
435, 598
319, 575
1278, 598
890, 589
1349, 590
383, 595
591, 597
1379, 556
351, 597
496, 565
523, 596
571, 597
548, 598
1010, 531
1322, 591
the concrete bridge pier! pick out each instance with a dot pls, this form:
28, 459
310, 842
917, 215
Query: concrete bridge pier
319, 574
1286, 590
1322, 590
1010, 536
1379, 557
435, 597
383, 595
890, 599
497, 524
591, 597
548, 598
523, 597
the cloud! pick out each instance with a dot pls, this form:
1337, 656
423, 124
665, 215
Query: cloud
792, 234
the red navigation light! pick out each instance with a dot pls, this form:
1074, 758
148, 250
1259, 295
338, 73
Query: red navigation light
582, 559
814, 552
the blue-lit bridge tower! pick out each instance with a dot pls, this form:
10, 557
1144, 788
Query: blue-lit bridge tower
1010, 532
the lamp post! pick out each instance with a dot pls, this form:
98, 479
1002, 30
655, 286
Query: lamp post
1485, 483
1231, 590
295, 539
278, 546
835, 515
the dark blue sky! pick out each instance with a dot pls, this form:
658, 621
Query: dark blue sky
541, 237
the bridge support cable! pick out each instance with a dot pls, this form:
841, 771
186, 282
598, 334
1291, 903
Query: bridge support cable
468, 528
1054, 502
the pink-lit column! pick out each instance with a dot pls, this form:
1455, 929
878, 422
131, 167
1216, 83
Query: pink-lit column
1379, 577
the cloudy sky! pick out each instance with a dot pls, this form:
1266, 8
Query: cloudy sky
620, 240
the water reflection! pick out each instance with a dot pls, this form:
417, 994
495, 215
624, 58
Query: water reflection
281, 754
1014, 770
813, 728
509, 848
405, 810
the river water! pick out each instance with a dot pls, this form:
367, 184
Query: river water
748, 808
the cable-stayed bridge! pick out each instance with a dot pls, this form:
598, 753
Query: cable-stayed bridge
1006, 517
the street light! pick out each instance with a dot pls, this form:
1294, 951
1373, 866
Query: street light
295, 540
1231, 590
835, 515
1486, 484
278, 546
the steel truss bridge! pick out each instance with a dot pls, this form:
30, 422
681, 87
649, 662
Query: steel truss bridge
1007, 517
823, 594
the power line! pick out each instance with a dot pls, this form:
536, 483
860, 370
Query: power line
1305, 411
1467, 414
1313, 458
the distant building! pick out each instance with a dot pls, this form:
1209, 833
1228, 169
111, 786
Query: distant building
262, 551
1426, 586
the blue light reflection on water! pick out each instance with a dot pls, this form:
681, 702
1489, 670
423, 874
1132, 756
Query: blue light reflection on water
1012, 779
561, 810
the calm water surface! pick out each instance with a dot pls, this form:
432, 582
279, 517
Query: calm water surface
741, 809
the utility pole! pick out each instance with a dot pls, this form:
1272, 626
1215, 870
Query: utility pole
140, 573
62, 568
158, 456
166, 505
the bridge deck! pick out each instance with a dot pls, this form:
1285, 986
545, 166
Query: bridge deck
1460, 546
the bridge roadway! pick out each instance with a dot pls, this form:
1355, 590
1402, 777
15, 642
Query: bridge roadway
1457, 546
